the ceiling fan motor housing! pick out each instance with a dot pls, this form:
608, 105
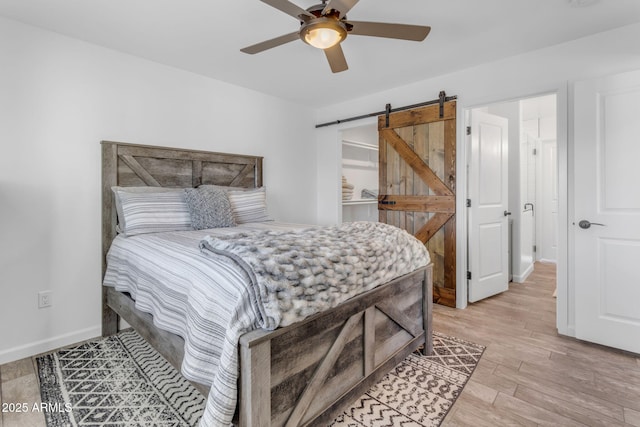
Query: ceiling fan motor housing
323, 29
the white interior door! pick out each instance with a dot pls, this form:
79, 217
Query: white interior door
547, 198
523, 266
488, 214
606, 264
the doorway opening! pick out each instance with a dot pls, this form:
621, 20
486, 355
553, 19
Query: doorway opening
518, 225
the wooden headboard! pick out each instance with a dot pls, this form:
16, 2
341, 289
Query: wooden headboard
132, 165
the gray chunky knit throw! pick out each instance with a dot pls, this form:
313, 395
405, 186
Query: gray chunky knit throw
298, 273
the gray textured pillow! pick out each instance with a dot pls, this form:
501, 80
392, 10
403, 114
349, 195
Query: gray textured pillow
209, 208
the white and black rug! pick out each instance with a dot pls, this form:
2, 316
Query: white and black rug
122, 381
420, 391
116, 381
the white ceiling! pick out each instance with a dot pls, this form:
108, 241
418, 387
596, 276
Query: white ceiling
205, 37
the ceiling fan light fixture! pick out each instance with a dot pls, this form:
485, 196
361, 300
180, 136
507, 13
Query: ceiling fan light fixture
323, 33
324, 26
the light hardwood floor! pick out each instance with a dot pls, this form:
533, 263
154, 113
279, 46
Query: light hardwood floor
531, 376
528, 375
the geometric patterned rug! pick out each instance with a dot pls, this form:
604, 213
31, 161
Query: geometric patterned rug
122, 381
420, 391
116, 381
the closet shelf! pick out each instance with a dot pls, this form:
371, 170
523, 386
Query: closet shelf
361, 164
360, 202
358, 144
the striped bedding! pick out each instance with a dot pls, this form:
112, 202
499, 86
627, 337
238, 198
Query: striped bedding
195, 296
205, 298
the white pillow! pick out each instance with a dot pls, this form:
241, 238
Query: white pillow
118, 189
141, 211
249, 205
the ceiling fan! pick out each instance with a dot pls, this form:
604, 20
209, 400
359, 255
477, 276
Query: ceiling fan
325, 26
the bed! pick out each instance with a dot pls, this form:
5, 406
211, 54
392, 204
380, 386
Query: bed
301, 374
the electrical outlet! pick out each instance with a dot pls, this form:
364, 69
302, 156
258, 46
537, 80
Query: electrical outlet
44, 299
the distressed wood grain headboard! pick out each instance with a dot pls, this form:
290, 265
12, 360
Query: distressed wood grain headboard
133, 165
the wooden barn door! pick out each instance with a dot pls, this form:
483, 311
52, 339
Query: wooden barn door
418, 183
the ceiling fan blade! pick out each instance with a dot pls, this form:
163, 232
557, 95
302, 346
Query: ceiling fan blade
392, 31
336, 58
290, 9
342, 6
268, 44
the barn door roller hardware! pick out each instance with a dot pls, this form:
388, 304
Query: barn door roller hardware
442, 98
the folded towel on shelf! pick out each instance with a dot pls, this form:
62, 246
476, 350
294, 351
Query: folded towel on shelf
347, 189
369, 194
346, 184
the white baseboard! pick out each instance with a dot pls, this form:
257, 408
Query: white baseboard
519, 278
49, 344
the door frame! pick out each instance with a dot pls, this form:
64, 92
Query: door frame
565, 289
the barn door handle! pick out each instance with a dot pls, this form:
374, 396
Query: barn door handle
507, 213
586, 224
387, 202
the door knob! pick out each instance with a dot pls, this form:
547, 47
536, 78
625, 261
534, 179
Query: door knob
586, 224
507, 213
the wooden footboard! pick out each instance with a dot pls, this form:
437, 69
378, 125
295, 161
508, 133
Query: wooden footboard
307, 373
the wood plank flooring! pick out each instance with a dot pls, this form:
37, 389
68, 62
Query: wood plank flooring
20, 386
531, 376
528, 375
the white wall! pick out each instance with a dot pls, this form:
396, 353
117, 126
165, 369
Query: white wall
60, 97
544, 71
